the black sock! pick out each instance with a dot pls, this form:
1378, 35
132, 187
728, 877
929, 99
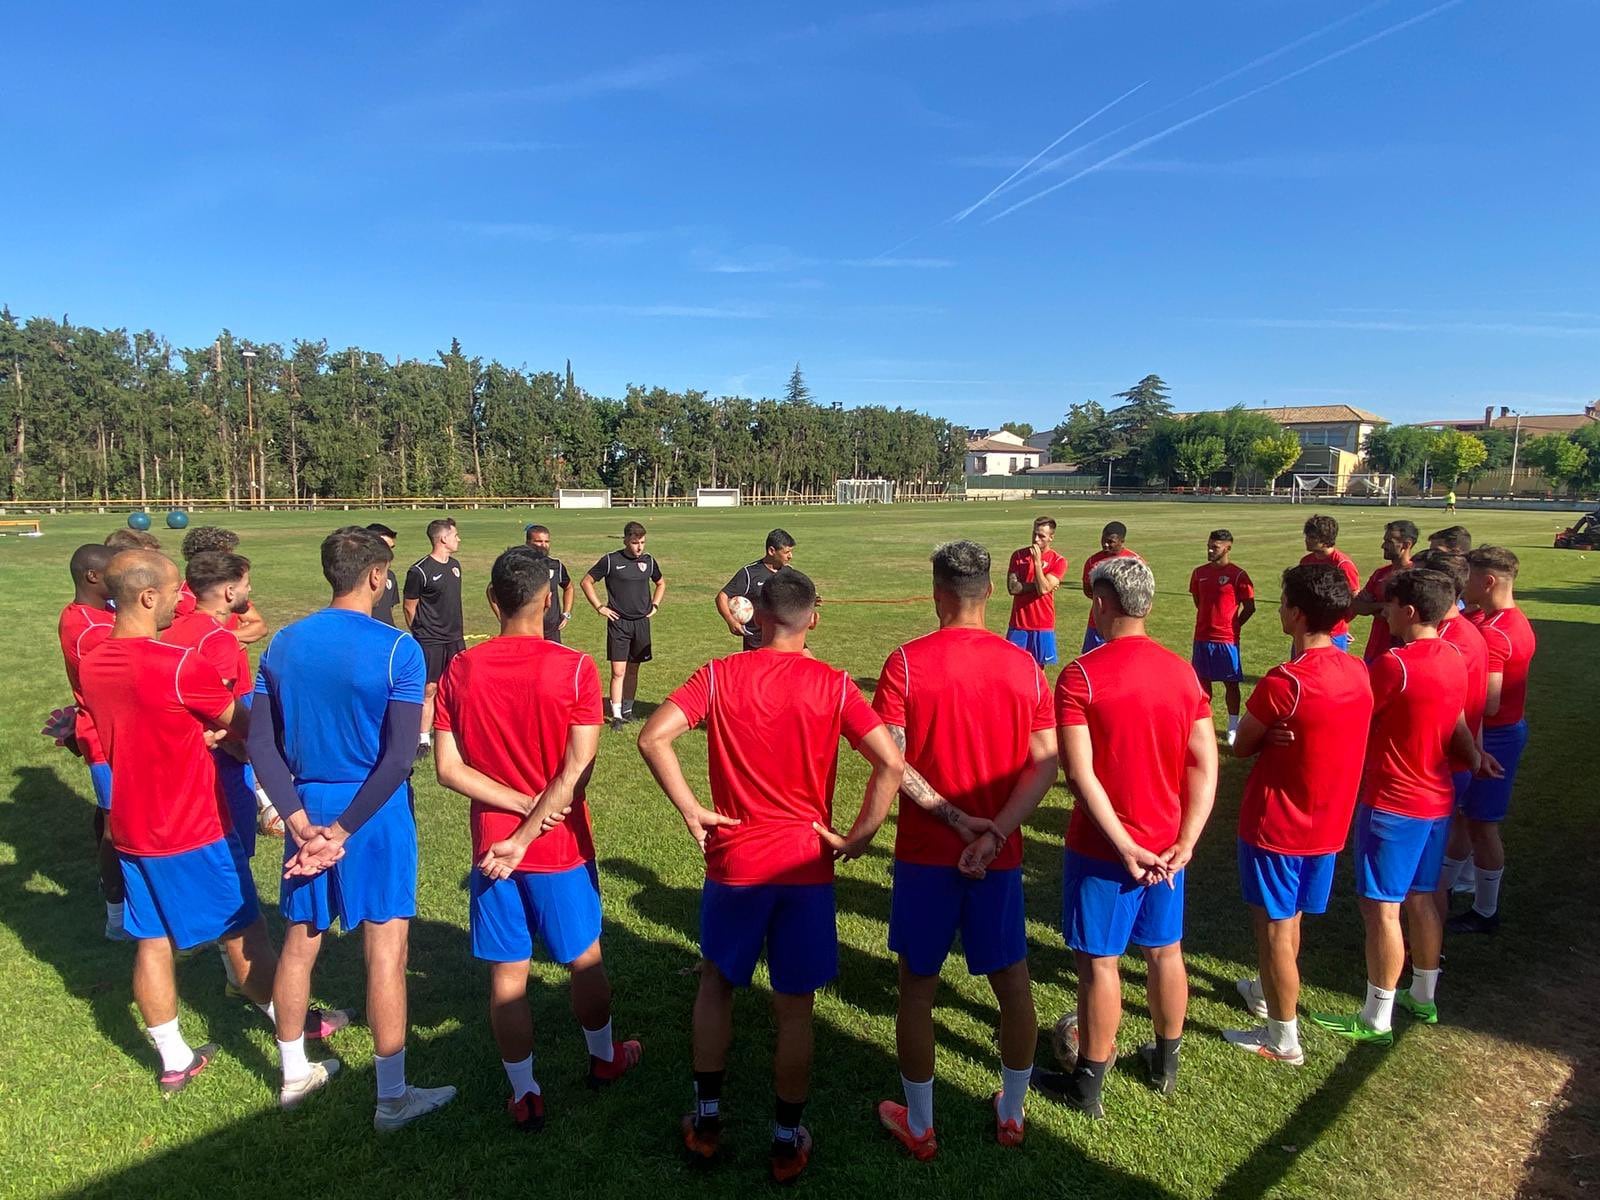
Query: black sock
1167, 1054
1088, 1078
707, 1097
786, 1122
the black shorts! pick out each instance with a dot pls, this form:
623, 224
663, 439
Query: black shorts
628, 640
438, 655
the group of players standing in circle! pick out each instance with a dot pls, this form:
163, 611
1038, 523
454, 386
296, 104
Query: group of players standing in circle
1414, 748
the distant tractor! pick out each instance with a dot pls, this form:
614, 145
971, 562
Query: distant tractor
1584, 535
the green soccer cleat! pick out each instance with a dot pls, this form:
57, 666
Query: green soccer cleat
1354, 1028
1428, 1014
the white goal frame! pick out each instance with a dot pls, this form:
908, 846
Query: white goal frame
1375, 487
863, 491
718, 497
583, 497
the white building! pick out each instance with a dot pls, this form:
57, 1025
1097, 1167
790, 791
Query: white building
1001, 453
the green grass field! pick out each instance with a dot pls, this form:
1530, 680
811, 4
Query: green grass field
80, 1113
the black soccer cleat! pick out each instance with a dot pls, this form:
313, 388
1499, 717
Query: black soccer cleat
1163, 1077
1473, 921
1062, 1088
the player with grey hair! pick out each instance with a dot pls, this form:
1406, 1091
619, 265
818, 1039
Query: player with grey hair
1132, 582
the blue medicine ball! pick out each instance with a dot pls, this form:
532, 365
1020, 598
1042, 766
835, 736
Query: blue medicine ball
138, 520
177, 519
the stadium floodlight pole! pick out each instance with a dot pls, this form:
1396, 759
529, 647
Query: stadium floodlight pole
249, 357
1516, 440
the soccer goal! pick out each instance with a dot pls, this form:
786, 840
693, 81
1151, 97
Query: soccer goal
863, 491
717, 497
1379, 489
583, 497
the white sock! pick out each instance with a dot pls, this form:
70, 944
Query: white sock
292, 1054
1233, 724
1424, 985
114, 914
1470, 871
599, 1040
521, 1076
391, 1071
1378, 1013
1283, 1037
268, 1012
264, 801
1450, 872
227, 965
1013, 1091
919, 1105
425, 738
1486, 899
175, 1052
616, 708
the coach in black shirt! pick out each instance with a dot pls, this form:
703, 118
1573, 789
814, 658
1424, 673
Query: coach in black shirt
634, 588
556, 615
383, 606
748, 583
433, 610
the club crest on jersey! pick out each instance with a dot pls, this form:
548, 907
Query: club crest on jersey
642, 565
456, 571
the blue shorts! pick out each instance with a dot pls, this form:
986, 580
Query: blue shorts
1217, 662
100, 780
240, 794
375, 881
1103, 909
1397, 855
1285, 884
1041, 643
193, 898
1490, 799
930, 904
560, 908
1461, 781
794, 921
1091, 639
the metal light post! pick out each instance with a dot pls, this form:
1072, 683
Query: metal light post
249, 357
1516, 440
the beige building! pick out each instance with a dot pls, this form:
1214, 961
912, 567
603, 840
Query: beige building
1001, 453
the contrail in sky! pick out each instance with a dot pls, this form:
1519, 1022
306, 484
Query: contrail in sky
1216, 108
999, 187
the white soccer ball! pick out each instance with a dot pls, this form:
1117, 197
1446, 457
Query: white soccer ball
741, 609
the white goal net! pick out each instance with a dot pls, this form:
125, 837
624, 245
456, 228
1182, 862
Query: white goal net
583, 498
717, 497
1377, 488
863, 491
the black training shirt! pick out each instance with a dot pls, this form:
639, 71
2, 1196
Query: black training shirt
558, 580
629, 582
748, 582
436, 587
383, 606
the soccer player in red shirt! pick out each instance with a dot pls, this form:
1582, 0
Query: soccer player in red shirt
1032, 577
1510, 643
1112, 538
155, 708
773, 720
517, 720
975, 719
1141, 757
1322, 534
1224, 599
1399, 539
246, 624
84, 624
1307, 720
1419, 693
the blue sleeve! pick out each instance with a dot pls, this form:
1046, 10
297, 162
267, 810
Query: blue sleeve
261, 688
266, 754
408, 672
401, 723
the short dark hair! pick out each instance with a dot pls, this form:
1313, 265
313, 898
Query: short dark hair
204, 538
132, 539
518, 578
382, 530
789, 598
1114, 529
1050, 521
1219, 535
1321, 592
632, 530
529, 530
1496, 559
1452, 565
1324, 530
962, 569
1406, 529
1454, 538
1431, 593
91, 557
779, 539
214, 568
348, 553
437, 527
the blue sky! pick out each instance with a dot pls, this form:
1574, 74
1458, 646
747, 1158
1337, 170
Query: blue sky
1390, 204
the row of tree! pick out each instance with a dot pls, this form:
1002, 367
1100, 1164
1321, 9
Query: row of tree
104, 414
1451, 457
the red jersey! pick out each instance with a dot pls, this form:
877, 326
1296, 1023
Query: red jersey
968, 701
1093, 561
204, 633
510, 703
83, 627
1218, 592
1299, 798
1509, 641
1380, 639
1419, 690
152, 702
1464, 636
1140, 702
1346, 564
1031, 609
773, 722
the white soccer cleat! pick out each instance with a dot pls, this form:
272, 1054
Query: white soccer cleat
1254, 998
416, 1102
294, 1091
1255, 1041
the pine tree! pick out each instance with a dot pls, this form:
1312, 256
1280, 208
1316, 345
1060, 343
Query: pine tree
798, 392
